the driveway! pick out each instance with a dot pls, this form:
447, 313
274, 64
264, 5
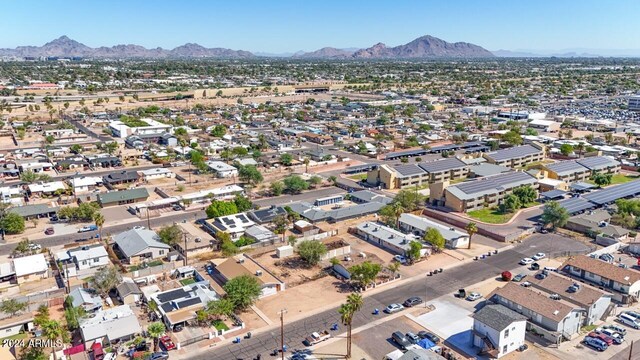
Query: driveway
451, 320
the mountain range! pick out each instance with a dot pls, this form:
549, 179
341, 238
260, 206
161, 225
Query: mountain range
422, 47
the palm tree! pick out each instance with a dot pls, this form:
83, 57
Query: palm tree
347, 311
472, 229
156, 330
398, 210
580, 148
306, 164
98, 219
52, 331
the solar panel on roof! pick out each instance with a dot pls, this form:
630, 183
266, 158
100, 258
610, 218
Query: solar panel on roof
442, 165
574, 205
514, 152
566, 166
408, 170
243, 218
493, 182
188, 302
597, 162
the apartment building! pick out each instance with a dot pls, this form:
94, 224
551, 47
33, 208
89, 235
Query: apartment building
498, 330
518, 156
419, 225
572, 171
485, 192
624, 284
411, 175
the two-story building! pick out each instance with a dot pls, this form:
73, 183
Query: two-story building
82, 260
573, 171
498, 330
624, 284
516, 157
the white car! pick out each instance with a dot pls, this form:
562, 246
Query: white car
474, 296
401, 259
526, 261
539, 256
393, 308
33, 246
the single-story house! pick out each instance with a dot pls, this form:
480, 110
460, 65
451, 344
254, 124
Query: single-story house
29, 268
128, 292
110, 325
138, 245
230, 268
88, 299
121, 197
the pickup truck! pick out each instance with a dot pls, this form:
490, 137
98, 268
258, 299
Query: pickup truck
88, 228
317, 338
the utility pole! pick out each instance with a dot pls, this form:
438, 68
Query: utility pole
282, 312
66, 270
185, 248
148, 220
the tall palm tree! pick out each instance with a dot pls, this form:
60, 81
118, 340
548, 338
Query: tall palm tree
98, 219
156, 330
398, 210
52, 331
580, 148
347, 311
306, 164
472, 229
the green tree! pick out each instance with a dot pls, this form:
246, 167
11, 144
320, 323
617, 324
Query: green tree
220, 308
72, 314
281, 223
12, 307
286, 159
409, 200
311, 251
111, 147
365, 273
315, 181
53, 331
472, 229
294, 184
602, 179
347, 311
512, 137
12, 223
42, 315
76, 149
243, 291
435, 238
250, 175
277, 188
227, 247
32, 353
156, 330
29, 177
510, 204
105, 279
242, 203
170, 235
566, 149
99, 220
221, 208
554, 214
218, 131
526, 194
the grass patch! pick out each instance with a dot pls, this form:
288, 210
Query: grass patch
220, 325
155, 263
19, 336
621, 179
188, 281
358, 177
491, 216
133, 122
588, 328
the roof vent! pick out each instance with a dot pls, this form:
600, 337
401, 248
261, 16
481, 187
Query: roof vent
556, 312
258, 272
241, 261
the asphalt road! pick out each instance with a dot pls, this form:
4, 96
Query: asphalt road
435, 286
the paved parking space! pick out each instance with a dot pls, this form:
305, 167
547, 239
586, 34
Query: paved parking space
451, 320
378, 343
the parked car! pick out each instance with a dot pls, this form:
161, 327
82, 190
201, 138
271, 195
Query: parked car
474, 296
412, 301
525, 284
178, 328
629, 320
49, 231
401, 259
167, 343
35, 247
88, 228
526, 261
608, 339
519, 277
400, 339
633, 314
619, 329
392, 308
617, 338
176, 207
595, 343
535, 266
53, 218
163, 355
539, 256
462, 293
412, 337
429, 335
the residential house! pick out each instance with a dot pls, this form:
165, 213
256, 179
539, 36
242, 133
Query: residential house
88, 299
128, 292
30, 268
138, 245
221, 169
110, 325
103, 161
414, 175
156, 173
121, 177
178, 306
84, 184
82, 260
235, 225
419, 225
261, 234
498, 330
316, 214
267, 215
49, 188
243, 264
34, 211
624, 284
386, 237
14, 325
122, 197
596, 223
545, 125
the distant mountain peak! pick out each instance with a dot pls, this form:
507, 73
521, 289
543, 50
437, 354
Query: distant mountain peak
426, 46
67, 47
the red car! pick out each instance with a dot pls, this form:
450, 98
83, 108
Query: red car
167, 343
602, 337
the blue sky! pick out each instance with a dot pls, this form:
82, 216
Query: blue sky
292, 25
